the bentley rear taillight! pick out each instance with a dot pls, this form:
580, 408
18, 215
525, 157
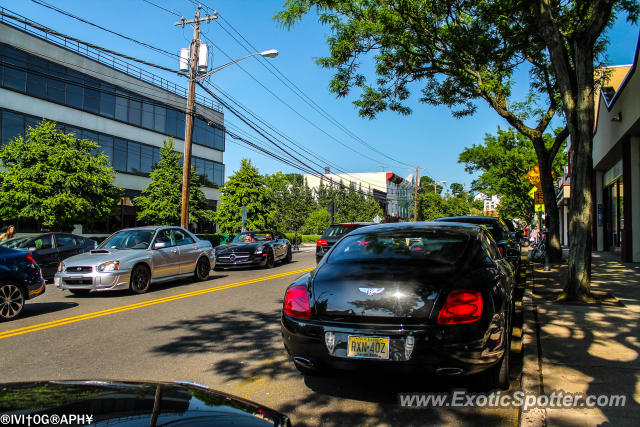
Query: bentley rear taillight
296, 302
461, 306
321, 242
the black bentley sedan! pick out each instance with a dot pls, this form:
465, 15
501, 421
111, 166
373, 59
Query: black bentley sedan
254, 248
49, 249
429, 297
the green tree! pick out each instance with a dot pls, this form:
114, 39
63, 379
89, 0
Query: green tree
430, 205
503, 160
246, 187
317, 222
299, 205
53, 178
161, 200
353, 205
463, 52
456, 188
277, 186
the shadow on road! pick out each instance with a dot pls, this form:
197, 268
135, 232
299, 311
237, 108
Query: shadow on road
39, 308
254, 357
156, 287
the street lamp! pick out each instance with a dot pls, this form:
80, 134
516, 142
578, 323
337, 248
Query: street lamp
435, 186
193, 79
271, 53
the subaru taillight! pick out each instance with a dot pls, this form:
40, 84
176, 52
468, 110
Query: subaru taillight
461, 306
30, 258
501, 250
296, 302
321, 242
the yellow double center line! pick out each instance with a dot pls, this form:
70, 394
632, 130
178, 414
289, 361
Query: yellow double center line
81, 317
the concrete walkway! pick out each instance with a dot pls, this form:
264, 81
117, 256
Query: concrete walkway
584, 349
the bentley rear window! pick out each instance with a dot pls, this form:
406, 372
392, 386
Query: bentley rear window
402, 246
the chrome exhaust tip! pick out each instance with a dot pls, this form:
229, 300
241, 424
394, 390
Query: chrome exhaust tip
449, 371
302, 361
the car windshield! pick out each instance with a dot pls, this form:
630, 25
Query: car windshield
128, 239
339, 230
438, 247
16, 242
252, 237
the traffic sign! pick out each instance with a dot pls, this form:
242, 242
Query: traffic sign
538, 199
532, 192
539, 208
534, 177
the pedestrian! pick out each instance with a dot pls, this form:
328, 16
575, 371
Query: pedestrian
535, 235
8, 234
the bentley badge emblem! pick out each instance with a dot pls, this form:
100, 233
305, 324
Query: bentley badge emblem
371, 291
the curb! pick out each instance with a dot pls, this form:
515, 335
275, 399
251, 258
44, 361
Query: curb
532, 379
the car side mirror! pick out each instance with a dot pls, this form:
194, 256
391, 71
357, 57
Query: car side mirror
159, 245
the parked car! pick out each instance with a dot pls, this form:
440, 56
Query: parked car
49, 249
508, 243
105, 402
135, 258
334, 233
20, 280
428, 297
254, 248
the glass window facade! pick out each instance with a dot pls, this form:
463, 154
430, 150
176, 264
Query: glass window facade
125, 156
26, 73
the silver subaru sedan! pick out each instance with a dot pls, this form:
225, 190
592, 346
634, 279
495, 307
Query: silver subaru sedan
135, 258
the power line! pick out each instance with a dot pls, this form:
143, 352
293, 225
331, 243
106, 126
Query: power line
299, 92
71, 15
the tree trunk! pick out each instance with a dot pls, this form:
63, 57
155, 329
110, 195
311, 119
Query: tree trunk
578, 283
550, 203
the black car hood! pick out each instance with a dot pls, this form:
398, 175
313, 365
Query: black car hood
239, 247
134, 403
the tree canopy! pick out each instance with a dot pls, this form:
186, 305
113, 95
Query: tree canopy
503, 161
246, 187
161, 200
54, 178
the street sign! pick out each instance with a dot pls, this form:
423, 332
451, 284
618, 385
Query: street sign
539, 208
534, 177
377, 219
538, 199
532, 192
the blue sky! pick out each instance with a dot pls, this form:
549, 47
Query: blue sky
430, 138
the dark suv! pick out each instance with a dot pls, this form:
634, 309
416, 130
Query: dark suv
334, 233
507, 241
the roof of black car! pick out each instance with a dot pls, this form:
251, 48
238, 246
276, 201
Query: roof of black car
464, 228
468, 219
354, 223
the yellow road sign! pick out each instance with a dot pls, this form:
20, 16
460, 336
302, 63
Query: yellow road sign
534, 177
539, 208
532, 192
538, 199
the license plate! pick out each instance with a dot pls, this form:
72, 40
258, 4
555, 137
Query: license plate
368, 347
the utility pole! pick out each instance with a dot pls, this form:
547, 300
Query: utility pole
188, 129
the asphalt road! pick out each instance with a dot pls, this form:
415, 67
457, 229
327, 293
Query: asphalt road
223, 333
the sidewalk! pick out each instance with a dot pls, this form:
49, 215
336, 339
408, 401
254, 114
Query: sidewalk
589, 349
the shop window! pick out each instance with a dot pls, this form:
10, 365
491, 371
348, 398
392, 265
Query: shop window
91, 95
56, 83
122, 106
12, 126
135, 110
120, 154
107, 100
147, 115
133, 157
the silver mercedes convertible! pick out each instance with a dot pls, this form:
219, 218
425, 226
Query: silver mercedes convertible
135, 258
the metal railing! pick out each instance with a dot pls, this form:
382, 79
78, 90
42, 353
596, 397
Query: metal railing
105, 58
